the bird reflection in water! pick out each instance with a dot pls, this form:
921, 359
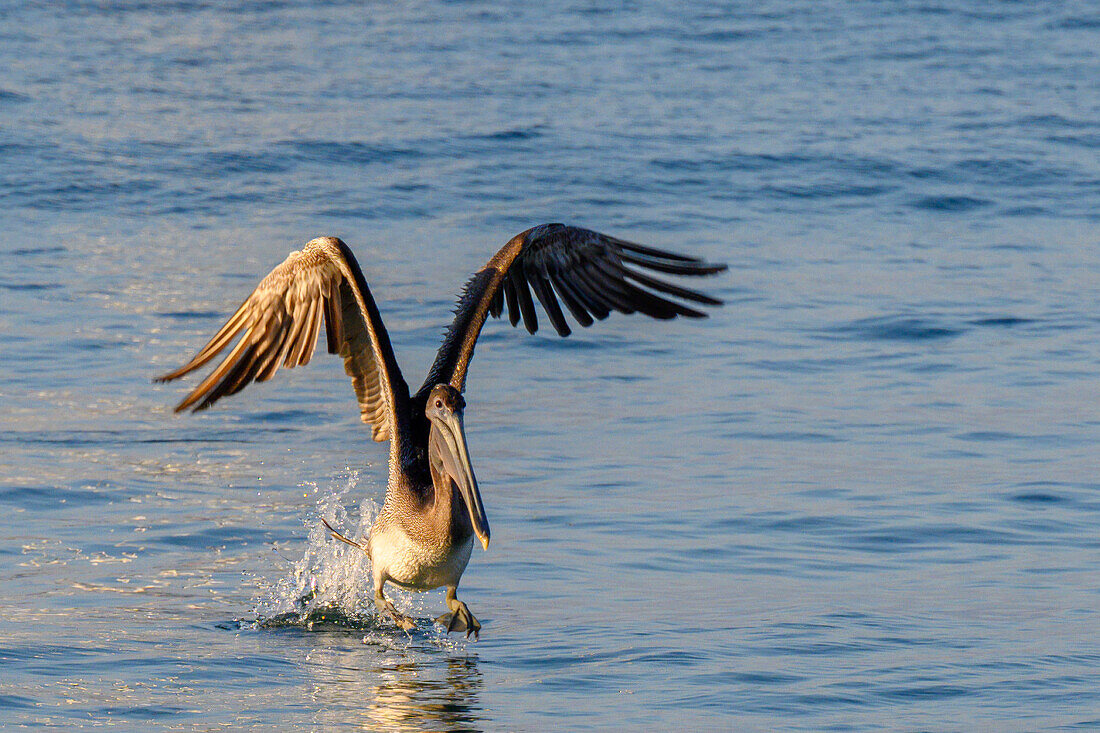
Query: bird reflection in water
408, 699
402, 695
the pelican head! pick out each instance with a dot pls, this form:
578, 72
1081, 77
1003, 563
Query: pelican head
449, 458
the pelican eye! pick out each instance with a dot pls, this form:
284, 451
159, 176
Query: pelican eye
439, 403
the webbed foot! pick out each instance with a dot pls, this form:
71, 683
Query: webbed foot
405, 622
460, 620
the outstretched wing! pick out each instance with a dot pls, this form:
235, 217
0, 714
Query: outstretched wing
593, 274
279, 324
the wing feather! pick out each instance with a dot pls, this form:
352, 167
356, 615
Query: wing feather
585, 270
279, 325
218, 342
277, 352
670, 288
309, 333
595, 304
572, 302
541, 287
523, 294
513, 302
334, 320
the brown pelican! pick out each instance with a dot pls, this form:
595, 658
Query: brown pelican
424, 532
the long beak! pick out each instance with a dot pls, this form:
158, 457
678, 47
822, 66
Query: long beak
456, 462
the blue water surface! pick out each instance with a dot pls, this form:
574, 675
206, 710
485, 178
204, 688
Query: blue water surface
863, 495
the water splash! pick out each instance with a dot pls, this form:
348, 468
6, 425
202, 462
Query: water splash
329, 586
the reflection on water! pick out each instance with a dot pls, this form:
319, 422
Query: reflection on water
396, 693
407, 699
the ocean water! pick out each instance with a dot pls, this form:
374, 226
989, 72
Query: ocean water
862, 496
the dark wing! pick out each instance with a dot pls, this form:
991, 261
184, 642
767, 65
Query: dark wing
592, 274
281, 321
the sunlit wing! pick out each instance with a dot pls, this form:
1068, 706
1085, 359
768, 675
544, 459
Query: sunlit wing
280, 322
591, 274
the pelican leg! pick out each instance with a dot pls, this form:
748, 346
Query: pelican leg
459, 618
387, 609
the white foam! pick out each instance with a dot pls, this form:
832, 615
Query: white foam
329, 573
331, 582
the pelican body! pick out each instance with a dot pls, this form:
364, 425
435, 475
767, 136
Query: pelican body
423, 536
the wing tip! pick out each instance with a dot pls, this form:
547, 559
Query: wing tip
172, 375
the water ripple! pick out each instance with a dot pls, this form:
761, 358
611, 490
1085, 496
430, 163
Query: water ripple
861, 496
